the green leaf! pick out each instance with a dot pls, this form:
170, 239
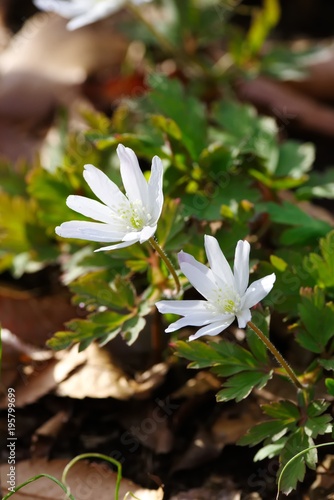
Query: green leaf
94, 289
318, 425
132, 328
317, 407
239, 386
263, 20
270, 450
278, 263
256, 345
295, 471
319, 185
170, 233
322, 266
307, 228
285, 411
170, 99
330, 386
201, 354
294, 159
247, 132
316, 321
328, 364
268, 429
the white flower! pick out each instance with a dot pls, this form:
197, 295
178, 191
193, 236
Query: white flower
127, 218
226, 294
83, 12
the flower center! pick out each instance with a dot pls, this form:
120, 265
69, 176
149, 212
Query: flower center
134, 216
227, 301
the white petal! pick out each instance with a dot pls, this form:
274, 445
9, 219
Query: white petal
195, 319
181, 307
217, 260
258, 290
241, 266
124, 244
243, 317
156, 198
213, 328
63, 8
146, 233
133, 179
98, 11
92, 231
90, 208
131, 236
200, 276
104, 188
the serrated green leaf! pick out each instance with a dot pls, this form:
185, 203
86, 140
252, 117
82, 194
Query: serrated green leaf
132, 328
316, 320
318, 425
262, 431
202, 355
286, 411
270, 450
316, 408
95, 289
295, 471
295, 159
239, 386
321, 266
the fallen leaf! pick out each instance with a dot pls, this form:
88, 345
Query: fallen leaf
86, 480
323, 486
99, 377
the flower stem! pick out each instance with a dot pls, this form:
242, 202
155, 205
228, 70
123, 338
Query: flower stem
289, 371
168, 263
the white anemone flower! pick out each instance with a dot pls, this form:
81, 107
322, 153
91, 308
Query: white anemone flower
83, 12
129, 217
227, 294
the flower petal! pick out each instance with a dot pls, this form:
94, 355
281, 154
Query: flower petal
241, 266
155, 193
217, 260
213, 328
90, 208
123, 244
95, 13
243, 317
199, 275
181, 307
92, 231
146, 233
64, 9
105, 189
133, 179
258, 290
195, 319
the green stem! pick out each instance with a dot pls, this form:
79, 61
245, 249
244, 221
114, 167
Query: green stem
168, 263
102, 457
289, 371
35, 478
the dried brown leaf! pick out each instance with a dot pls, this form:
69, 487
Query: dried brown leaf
86, 480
